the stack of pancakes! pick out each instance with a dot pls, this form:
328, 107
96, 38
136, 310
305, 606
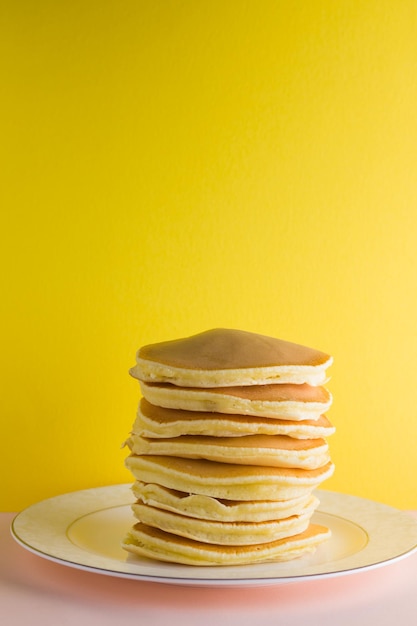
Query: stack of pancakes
227, 448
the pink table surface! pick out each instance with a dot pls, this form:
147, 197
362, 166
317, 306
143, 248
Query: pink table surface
36, 591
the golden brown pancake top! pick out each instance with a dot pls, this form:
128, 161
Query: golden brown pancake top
281, 392
162, 415
223, 348
215, 469
276, 442
312, 531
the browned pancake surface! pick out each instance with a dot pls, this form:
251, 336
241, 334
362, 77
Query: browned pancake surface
223, 348
165, 416
281, 392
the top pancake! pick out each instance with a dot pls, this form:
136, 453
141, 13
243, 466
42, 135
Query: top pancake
225, 357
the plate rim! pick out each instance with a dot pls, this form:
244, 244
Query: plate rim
374, 518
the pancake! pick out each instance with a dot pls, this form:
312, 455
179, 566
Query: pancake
227, 357
151, 542
154, 421
227, 448
292, 402
225, 480
265, 450
221, 533
206, 507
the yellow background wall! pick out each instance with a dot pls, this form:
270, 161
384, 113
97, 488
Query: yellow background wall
170, 166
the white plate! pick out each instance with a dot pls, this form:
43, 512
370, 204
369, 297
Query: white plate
84, 530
